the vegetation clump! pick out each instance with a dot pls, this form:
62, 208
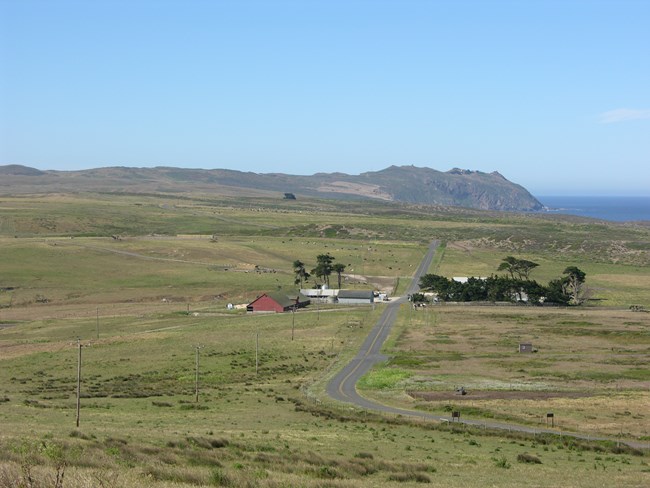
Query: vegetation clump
517, 287
528, 458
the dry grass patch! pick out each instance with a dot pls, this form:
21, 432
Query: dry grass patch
591, 366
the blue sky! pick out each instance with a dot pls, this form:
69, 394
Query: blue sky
555, 95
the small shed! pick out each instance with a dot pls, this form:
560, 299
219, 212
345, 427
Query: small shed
356, 297
276, 302
525, 347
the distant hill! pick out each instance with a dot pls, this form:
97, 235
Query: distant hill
409, 184
19, 170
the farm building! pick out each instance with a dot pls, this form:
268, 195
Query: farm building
320, 294
276, 302
356, 297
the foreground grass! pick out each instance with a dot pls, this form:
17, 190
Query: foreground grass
140, 425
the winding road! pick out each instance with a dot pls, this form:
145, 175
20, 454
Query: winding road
343, 386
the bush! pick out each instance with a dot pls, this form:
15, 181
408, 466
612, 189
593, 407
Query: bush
80, 435
219, 478
161, 404
528, 458
406, 477
364, 455
218, 443
501, 462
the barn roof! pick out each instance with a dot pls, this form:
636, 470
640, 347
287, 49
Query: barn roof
360, 294
283, 300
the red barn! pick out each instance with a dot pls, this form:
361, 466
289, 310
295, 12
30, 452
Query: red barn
276, 302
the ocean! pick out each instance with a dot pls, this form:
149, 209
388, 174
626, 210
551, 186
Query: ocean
617, 209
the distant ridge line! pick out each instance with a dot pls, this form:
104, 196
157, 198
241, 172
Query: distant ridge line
407, 184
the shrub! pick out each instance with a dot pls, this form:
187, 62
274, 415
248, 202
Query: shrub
80, 435
364, 455
218, 443
528, 458
219, 478
161, 404
406, 477
501, 462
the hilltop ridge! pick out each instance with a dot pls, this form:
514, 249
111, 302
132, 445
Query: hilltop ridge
408, 184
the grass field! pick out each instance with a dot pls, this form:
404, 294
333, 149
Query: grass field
141, 302
590, 368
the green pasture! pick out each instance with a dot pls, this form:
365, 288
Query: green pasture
185, 269
138, 215
611, 284
143, 280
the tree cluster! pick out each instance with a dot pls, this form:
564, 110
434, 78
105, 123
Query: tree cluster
516, 286
325, 266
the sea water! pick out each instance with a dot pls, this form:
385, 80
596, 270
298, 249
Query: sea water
618, 209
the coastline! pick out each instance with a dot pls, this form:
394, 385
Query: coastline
611, 208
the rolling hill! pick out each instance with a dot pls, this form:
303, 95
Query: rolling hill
409, 184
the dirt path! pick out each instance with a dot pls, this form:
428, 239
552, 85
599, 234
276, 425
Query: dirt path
433, 396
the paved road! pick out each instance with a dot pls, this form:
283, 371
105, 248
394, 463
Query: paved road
343, 386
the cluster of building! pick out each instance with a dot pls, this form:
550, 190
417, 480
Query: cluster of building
279, 302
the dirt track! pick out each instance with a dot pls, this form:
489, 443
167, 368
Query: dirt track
433, 396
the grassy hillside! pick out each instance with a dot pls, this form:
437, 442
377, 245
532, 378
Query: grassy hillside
472, 189
143, 280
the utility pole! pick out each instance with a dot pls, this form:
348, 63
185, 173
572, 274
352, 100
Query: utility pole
196, 377
79, 346
78, 379
97, 323
257, 350
293, 320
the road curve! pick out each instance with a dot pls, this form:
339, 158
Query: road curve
343, 386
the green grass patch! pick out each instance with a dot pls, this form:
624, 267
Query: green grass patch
383, 378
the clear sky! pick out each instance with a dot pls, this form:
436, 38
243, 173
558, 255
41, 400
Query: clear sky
553, 94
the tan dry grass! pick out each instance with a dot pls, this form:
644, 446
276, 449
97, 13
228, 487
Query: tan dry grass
601, 353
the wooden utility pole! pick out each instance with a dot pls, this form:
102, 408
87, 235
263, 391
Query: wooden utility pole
97, 324
78, 379
196, 376
293, 320
257, 350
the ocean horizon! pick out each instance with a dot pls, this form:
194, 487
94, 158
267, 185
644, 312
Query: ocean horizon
616, 209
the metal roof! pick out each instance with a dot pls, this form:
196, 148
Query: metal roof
362, 294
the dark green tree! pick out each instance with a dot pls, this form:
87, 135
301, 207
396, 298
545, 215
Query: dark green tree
574, 285
473, 290
555, 292
509, 264
301, 273
436, 284
536, 292
338, 268
524, 268
499, 288
517, 268
417, 298
323, 268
